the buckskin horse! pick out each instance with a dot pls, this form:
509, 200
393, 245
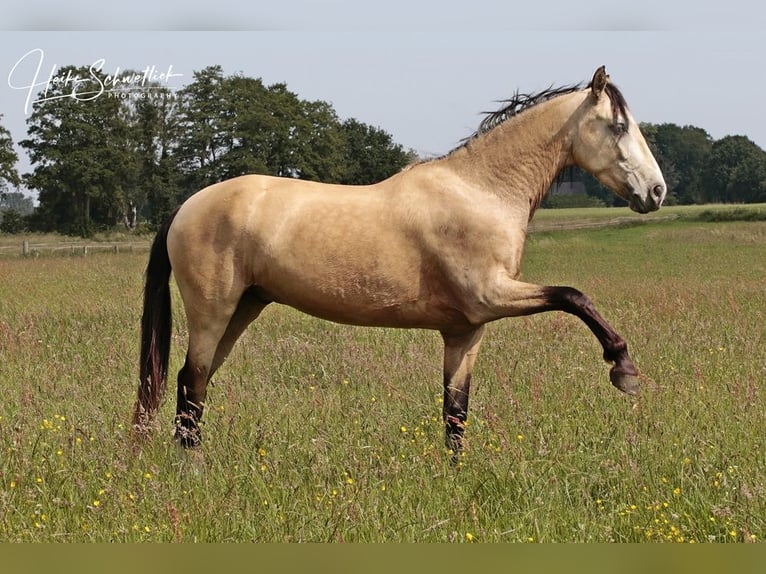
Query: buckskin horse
436, 246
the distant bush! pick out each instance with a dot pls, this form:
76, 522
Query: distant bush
735, 214
12, 222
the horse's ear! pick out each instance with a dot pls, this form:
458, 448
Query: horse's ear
597, 85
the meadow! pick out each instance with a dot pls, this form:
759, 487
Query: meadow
326, 433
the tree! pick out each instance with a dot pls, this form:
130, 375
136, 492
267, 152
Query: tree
235, 125
205, 130
8, 158
154, 128
104, 157
736, 172
696, 168
748, 181
284, 146
79, 147
230, 126
370, 154
252, 122
11, 221
320, 156
682, 154
14, 206
16, 201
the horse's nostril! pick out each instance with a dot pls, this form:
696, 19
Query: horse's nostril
657, 192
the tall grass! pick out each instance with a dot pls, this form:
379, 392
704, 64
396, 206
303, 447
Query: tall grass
321, 432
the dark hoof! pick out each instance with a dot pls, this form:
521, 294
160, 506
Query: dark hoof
626, 382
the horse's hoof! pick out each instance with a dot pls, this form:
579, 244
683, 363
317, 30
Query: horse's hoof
626, 382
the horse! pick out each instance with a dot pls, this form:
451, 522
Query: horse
435, 246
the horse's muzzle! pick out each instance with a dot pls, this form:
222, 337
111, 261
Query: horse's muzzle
649, 202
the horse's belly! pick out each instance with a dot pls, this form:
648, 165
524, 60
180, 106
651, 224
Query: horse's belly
366, 301
409, 315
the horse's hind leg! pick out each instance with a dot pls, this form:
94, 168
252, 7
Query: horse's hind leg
249, 307
460, 352
194, 376
211, 337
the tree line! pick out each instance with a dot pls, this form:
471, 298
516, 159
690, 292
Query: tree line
126, 157
697, 169
129, 157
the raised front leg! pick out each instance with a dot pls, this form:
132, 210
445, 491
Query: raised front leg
623, 374
510, 298
460, 351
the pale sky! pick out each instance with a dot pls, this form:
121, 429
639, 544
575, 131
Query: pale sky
425, 71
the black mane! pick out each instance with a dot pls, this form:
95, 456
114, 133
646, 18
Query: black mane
519, 103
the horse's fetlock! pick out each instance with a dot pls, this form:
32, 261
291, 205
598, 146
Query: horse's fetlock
616, 352
455, 422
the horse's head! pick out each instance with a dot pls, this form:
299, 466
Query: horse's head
608, 143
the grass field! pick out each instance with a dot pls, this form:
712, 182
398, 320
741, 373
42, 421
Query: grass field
321, 432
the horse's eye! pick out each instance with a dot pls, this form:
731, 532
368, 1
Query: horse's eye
620, 128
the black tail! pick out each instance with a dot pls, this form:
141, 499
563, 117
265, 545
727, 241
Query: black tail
156, 324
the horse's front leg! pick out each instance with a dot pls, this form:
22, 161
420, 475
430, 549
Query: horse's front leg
623, 374
460, 351
510, 298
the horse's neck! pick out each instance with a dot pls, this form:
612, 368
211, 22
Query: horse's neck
519, 159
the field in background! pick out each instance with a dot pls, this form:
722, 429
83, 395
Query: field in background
595, 217
321, 432
45, 244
